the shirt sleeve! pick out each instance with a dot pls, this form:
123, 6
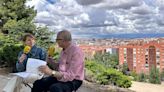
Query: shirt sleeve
20, 66
74, 69
43, 54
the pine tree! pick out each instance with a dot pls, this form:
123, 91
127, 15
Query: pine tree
16, 19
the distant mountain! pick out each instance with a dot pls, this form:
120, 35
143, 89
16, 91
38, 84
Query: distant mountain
132, 35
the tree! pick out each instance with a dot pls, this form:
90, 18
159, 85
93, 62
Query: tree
124, 68
16, 16
154, 76
16, 19
107, 59
44, 37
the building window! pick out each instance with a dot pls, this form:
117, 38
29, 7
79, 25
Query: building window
157, 57
146, 49
146, 65
157, 50
125, 50
146, 59
158, 63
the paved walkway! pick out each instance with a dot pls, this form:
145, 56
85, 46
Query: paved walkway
147, 87
3, 81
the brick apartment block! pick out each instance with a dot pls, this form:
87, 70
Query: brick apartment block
141, 56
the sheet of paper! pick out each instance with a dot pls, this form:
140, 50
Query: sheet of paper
32, 68
33, 65
21, 74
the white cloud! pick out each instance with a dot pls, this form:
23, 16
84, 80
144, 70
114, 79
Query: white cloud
101, 16
89, 2
143, 9
116, 4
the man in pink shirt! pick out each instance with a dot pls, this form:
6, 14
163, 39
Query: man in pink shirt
70, 72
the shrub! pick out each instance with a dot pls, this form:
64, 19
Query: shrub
154, 76
94, 67
108, 76
107, 60
90, 76
141, 77
134, 75
124, 68
114, 77
9, 54
162, 75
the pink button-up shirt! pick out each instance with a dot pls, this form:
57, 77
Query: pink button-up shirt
71, 64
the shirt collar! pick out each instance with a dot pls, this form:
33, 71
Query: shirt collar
68, 48
33, 47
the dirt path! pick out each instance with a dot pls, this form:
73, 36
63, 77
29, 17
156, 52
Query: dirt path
147, 87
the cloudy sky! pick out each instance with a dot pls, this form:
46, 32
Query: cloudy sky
85, 18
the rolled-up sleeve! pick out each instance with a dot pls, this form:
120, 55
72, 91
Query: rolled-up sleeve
74, 69
20, 66
43, 54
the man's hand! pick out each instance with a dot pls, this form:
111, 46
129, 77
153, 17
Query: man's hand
22, 58
45, 69
50, 60
52, 64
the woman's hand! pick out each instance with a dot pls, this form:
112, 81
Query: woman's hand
22, 58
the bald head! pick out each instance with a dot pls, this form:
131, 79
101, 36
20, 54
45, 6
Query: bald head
65, 35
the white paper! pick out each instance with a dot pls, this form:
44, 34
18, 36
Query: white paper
32, 68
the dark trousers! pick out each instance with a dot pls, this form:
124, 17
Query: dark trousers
53, 85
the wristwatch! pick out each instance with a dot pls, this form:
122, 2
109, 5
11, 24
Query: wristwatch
53, 73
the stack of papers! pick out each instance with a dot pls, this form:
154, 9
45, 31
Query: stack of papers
32, 68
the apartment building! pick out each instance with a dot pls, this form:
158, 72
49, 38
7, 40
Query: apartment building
142, 56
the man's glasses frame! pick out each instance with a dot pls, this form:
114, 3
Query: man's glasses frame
58, 39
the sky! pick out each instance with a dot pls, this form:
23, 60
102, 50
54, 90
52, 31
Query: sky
87, 18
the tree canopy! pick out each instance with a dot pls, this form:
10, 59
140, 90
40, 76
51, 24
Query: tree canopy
16, 19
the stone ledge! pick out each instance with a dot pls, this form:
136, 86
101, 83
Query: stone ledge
93, 87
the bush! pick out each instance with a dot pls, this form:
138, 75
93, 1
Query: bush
90, 76
94, 67
162, 75
107, 60
124, 68
108, 76
114, 77
9, 54
154, 76
141, 77
134, 75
